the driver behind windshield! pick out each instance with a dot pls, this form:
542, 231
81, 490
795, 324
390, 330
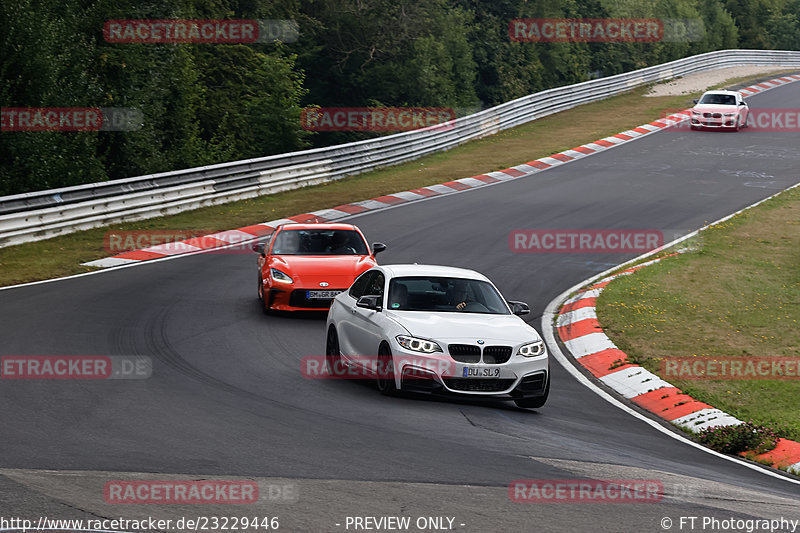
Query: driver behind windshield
340, 244
457, 295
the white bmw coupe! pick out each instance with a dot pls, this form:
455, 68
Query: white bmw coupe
437, 329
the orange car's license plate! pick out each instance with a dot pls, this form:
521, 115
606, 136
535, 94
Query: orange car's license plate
321, 295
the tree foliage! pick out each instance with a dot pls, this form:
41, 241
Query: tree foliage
209, 103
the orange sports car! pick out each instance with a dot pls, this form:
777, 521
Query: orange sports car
303, 266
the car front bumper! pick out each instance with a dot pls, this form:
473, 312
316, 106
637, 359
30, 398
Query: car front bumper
714, 123
293, 299
518, 378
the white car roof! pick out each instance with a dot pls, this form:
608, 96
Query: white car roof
732, 93
396, 271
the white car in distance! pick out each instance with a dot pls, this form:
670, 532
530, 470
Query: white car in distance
720, 110
438, 330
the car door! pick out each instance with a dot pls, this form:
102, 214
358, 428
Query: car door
367, 323
744, 110
345, 323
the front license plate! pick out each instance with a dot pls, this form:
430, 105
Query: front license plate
480, 372
321, 295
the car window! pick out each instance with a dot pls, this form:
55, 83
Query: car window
319, 242
718, 99
438, 294
375, 284
359, 287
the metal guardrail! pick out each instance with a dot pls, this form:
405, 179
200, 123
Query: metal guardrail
43, 214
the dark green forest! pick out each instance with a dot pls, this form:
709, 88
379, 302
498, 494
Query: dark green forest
211, 103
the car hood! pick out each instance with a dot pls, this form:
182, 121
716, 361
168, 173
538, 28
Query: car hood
338, 271
465, 327
715, 108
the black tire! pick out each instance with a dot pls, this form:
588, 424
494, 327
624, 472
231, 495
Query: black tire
535, 403
385, 379
332, 354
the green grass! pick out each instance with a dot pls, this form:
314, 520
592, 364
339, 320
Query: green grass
63, 255
736, 295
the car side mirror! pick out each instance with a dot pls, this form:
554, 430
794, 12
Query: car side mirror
377, 247
259, 247
742, 103
370, 301
695, 100
519, 308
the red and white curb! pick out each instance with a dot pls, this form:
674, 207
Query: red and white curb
248, 233
580, 331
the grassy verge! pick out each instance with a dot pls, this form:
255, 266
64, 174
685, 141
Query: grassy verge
738, 295
63, 255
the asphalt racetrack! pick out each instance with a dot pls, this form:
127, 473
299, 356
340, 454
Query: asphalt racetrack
227, 398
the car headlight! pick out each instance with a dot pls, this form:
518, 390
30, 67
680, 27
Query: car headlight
729, 114
695, 112
282, 277
532, 349
418, 345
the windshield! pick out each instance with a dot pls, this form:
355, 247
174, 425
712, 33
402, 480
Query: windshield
718, 99
457, 295
319, 242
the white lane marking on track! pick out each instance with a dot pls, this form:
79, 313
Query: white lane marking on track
706, 418
233, 235
583, 313
634, 381
442, 189
109, 262
594, 293
472, 182
589, 344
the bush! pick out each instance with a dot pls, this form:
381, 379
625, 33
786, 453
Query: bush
746, 437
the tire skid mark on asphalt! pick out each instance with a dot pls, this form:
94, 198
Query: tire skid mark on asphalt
161, 348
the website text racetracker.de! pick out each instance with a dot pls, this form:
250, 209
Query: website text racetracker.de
198, 523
